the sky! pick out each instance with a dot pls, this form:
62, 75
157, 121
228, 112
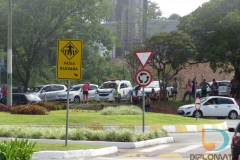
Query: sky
181, 7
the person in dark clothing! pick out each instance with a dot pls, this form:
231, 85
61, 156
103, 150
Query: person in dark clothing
214, 88
194, 82
204, 85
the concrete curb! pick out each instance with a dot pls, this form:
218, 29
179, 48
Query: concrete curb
168, 128
99, 152
73, 153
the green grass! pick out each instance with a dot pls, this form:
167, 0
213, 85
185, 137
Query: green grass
95, 118
61, 147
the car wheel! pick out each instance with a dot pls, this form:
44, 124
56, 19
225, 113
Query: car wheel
76, 100
233, 115
197, 114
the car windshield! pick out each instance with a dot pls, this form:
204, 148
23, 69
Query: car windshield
75, 88
109, 85
153, 85
37, 89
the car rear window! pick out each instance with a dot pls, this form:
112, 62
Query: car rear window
225, 101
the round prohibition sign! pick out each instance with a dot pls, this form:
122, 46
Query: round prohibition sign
143, 78
198, 103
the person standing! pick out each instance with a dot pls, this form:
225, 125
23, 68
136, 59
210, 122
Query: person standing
4, 91
204, 85
194, 88
147, 103
188, 90
115, 95
136, 96
175, 89
20, 88
234, 87
85, 91
214, 88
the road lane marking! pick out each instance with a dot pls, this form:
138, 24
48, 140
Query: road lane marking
154, 148
185, 149
171, 155
228, 146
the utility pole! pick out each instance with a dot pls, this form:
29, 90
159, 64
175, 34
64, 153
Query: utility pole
9, 55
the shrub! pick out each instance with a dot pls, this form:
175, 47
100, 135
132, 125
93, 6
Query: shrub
15, 149
52, 105
4, 108
32, 109
112, 135
122, 110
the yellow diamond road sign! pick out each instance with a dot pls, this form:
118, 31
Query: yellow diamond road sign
69, 59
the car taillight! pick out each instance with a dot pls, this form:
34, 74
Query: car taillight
236, 102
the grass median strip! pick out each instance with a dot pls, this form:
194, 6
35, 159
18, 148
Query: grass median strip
95, 118
61, 147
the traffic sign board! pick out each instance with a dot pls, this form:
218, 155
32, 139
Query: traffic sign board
143, 56
69, 59
198, 103
143, 77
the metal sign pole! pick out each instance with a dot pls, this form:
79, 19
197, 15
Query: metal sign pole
67, 111
143, 110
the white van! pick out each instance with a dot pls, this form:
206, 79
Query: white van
104, 92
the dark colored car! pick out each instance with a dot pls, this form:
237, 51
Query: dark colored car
21, 99
235, 145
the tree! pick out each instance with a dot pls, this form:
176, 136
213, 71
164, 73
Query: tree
215, 28
174, 17
153, 11
172, 52
37, 24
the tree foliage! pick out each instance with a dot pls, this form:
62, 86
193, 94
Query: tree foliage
173, 52
37, 24
153, 11
174, 17
215, 28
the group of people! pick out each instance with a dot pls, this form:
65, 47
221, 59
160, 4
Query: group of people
191, 86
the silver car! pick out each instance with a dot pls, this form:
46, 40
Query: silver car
48, 92
75, 94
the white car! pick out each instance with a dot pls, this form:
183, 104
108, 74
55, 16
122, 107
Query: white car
213, 106
75, 94
155, 85
124, 87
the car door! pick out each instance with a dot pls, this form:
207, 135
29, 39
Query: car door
122, 90
209, 108
46, 92
225, 105
91, 92
56, 89
222, 87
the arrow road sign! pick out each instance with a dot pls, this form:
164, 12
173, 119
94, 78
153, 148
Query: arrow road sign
143, 78
143, 56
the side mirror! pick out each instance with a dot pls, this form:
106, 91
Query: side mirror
231, 129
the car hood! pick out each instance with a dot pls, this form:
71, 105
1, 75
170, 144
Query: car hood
187, 106
105, 90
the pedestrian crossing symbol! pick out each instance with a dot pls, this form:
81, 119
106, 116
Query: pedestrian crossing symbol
69, 50
69, 59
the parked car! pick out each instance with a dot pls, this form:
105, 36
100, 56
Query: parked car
235, 144
75, 94
104, 92
155, 85
48, 92
223, 107
21, 99
223, 88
